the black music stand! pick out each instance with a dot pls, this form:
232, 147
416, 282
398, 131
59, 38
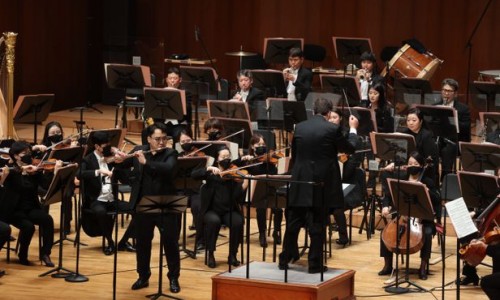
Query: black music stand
411, 199
345, 86
33, 109
126, 77
70, 154
58, 192
348, 49
185, 165
479, 157
203, 83
365, 116
491, 90
271, 82
478, 189
164, 104
416, 87
288, 112
234, 125
116, 137
228, 109
441, 120
161, 205
277, 50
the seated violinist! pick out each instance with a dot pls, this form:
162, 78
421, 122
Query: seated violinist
214, 129
22, 207
5, 230
258, 153
220, 205
414, 171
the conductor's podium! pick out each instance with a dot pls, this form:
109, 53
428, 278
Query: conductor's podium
266, 281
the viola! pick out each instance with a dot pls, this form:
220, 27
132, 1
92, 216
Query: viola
394, 231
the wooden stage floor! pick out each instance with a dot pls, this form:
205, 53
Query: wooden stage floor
22, 282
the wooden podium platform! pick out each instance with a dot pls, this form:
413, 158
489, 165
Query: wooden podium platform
266, 282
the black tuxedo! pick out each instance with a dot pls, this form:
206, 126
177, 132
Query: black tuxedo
315, 145
303, 83
489, 283
254, 96
156, 177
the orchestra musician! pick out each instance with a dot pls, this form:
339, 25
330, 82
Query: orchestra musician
214, 129
348, 172
153, 173
297, 77
247, 93
220, 199
22, 207
489, 283
257, 152
315, 147
5, 230
414, 172
449, 147
99, 192
174, 80
367, 75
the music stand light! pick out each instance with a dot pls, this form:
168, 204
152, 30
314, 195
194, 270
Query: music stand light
228, 109
478, 189
271, 82
161, 205
277, 50
33, 109
164, 104
345, 86
479, 157
349, 49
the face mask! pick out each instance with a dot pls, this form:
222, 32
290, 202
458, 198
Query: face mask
414, 170
187, 147
106, 151
260, 150
55, 138
27, 159
225, 163
214, 135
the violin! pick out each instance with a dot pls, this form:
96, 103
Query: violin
394, 231
48, 165
271, 157
195, 152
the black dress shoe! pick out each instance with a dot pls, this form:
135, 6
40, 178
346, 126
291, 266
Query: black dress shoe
46, 261
200, 247
140, 283
469, 279
231, 260
385, 271
109, 250
263, 240
2, 273
277, 237
25, 262
342, 242
313, 270
126, 247
174, 285
422, 274
211, 260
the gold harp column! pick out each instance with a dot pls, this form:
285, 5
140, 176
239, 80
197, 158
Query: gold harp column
10, 45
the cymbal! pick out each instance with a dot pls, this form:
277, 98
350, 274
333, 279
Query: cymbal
241, 53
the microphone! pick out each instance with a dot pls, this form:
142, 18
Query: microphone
196, 33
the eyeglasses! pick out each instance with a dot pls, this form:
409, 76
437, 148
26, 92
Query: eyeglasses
160, 139
447, 91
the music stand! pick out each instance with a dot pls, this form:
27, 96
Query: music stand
164, 104
271, 82
366, 118
441, 120
203, 83
57, 193
345, 86
277, 50
228, 109
348, 49
70, 154
116, 136
236, 125
126, 77
185, 165
392, 146
412, 200
33, 109
410, 87
161, 205
289, 112
478, 189
479, 157
491, 90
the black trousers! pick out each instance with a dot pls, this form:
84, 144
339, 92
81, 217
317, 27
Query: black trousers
490, 285
102, 209
312, 217
425, 252
261, 219
212, 223
341, 221
168, 226
4, 233
25, 221
448, 156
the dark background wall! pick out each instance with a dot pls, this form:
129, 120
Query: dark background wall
62, 44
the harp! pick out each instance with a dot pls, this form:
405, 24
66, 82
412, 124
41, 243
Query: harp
7, 59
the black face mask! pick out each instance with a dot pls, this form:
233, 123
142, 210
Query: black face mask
225, 163
27, 159
214, 135
106, 151
55, 138
414, 170
260, 150
187, 147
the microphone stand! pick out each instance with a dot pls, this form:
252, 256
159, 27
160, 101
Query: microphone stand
468, 46
200, 39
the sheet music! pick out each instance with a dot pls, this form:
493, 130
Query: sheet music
460, 218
